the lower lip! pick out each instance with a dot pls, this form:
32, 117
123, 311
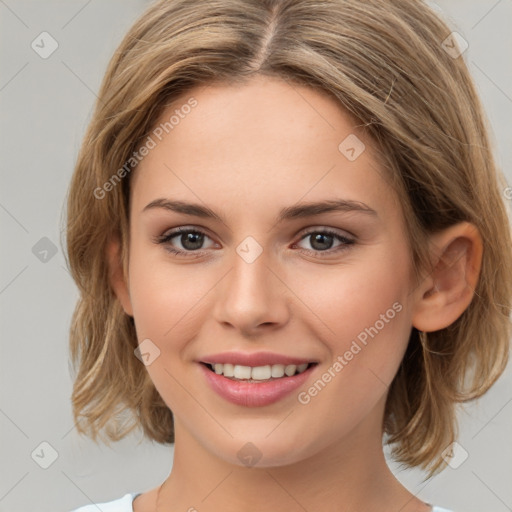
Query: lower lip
253, 394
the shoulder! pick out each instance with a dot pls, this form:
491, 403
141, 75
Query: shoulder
124, 504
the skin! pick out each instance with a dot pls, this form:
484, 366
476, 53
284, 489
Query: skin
246, 152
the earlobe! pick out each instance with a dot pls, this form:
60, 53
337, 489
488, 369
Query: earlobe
448, 290
116, 274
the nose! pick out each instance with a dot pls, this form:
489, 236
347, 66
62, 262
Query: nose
252, 298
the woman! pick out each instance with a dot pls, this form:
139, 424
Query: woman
286, 226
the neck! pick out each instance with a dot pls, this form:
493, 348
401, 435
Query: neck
352, 475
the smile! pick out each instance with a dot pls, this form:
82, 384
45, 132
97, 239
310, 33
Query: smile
256, 386
257, 373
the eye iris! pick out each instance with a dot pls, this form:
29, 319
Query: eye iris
196, 240
321, 239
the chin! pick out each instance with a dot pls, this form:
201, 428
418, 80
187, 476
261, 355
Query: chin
262, 452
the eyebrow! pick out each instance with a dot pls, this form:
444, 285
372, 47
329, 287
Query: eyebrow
297, 211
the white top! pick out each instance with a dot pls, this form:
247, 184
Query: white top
124, 504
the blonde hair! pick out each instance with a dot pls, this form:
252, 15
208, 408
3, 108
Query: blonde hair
384, 62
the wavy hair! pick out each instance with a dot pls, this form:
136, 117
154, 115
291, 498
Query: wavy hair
387, 63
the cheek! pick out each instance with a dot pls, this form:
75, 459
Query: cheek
368, 320
354, 297
164, 295
362, 316
166, 301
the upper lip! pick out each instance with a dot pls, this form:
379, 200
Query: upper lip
254, 359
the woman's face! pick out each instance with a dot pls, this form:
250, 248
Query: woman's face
262, 272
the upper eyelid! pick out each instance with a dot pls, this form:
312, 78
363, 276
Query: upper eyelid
205, 231
336, 231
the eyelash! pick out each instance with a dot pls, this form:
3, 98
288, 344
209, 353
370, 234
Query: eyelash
166, 238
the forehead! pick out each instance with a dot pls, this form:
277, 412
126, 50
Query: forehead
265, 141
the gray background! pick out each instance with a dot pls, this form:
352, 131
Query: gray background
45, 107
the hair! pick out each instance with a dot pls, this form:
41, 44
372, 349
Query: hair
385, 64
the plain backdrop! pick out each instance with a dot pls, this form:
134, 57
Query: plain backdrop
45, 106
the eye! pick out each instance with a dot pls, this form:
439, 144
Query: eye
322, 240
191, 240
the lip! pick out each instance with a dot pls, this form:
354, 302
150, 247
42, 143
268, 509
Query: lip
254, 359
254, 394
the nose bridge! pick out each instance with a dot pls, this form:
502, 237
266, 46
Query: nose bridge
250, 279
251, 294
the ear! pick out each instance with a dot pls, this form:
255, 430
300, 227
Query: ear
446, 292
116, 274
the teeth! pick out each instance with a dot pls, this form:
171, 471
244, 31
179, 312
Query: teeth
260, 372
242, 372
277, 370
226, 369
266, 372
290, 370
